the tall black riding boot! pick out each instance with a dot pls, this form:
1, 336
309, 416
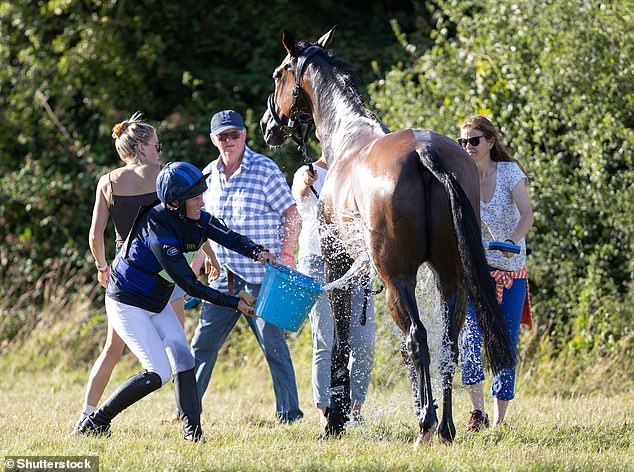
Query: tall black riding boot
188, 404
130, 391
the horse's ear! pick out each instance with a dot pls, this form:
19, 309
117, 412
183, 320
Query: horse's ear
289, 43
326, 39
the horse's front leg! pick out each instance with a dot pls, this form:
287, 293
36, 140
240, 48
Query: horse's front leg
340, 303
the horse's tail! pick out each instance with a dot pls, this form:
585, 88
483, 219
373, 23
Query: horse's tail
496, 338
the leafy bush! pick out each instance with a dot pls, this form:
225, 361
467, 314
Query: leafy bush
556, 77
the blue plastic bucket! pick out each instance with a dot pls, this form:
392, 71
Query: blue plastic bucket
286, 297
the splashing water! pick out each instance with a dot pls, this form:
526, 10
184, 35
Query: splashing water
431, 310
361, 268
433, 315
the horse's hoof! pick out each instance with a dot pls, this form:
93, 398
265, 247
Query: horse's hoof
335, 426
443, 440
331, 433
446, 433
326, 436
424, 439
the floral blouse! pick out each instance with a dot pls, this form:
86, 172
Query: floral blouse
500, 216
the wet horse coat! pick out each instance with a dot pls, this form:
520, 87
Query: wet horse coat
416, 194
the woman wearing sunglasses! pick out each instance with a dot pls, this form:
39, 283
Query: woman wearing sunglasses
507, 215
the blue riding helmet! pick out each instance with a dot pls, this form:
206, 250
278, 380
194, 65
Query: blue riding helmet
179, 181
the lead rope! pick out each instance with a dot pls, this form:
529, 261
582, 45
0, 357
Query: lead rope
367, 291
307, 160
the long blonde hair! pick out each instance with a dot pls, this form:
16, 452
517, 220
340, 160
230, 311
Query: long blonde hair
129, 134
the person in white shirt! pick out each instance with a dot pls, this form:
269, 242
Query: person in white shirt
311, 263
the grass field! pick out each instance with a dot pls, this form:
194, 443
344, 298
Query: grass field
572, 432
570, 414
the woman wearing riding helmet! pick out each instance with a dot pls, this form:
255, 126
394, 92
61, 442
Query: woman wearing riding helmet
137, 296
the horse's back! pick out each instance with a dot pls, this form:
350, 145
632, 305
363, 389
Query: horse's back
401, 150
393, 164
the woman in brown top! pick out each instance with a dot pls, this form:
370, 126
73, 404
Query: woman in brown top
120, 194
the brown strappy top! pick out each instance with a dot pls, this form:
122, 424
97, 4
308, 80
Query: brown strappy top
123, 210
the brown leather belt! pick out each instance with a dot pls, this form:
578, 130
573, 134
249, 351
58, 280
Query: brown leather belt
230, 281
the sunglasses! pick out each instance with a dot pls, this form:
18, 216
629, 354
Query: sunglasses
475, 141
233, 135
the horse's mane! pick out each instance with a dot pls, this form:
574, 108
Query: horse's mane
347, 80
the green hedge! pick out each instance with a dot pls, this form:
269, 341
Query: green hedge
556, 77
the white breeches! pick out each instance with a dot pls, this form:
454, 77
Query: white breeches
156, 339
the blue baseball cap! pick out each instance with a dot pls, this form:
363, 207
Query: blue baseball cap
224, 120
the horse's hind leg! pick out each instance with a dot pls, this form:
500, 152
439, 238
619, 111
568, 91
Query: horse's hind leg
412, 376
454, 315
402, 305
446, 265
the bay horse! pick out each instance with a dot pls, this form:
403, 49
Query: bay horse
417, 194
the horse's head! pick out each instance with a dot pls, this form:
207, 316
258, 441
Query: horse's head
289, 106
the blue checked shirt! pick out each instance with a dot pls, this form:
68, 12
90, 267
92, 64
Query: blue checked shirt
252, 203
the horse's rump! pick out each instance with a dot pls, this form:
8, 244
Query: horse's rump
400, 201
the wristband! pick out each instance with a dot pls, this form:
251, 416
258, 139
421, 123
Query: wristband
287, 255
102, 268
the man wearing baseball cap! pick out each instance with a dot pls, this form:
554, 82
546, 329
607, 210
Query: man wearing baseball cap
225, 120
249, 192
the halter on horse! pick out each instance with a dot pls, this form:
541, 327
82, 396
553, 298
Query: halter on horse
417, 195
